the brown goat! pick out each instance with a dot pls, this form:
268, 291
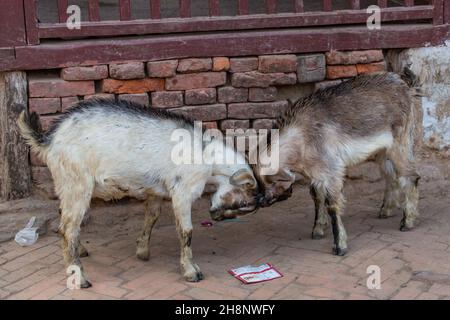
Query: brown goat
324, 133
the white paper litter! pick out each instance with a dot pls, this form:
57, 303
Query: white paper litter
250, 274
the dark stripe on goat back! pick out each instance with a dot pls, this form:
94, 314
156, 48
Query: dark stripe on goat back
323, 97
121, 106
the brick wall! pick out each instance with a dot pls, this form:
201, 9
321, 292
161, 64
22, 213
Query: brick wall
223, 92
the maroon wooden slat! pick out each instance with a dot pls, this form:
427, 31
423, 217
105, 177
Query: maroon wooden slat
327, 5
83, 52
125, 9
185, 8
271, 6
62, 10
12, 24
382, 3
94, 10
214, 8
155, 9
139, 27
447, 12
438, 17
242, 7
409, 3
31, 21
354, 4
299, 6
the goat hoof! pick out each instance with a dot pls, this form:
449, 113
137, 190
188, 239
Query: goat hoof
195, 277
143, 255
82, 252
404, 228
85, 284
317, 236
339, 251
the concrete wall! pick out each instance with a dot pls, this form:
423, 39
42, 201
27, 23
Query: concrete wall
432, 67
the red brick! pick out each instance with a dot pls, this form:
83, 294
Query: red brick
264, 124
232, 94
162, 69
108, 96
209, 125
258, 79
371, 67
49, 87
194, 65
85, 73
278, 63
196, 80
234, 124
140, 98
336, 72
167, 99
262, 94
221, 64
200, 96
68, 102
255, 110
205, 112
130, 70
45, 105
353, 57
243, 64
46, 121
132, 86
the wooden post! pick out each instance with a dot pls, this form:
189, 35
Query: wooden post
15, 177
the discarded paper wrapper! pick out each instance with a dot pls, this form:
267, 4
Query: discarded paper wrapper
250, 274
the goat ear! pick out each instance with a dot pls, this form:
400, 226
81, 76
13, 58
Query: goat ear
243, 177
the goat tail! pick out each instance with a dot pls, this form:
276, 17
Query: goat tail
31, 131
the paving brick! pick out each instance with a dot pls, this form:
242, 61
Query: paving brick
243, 64
140, 98
162, 69
196, 80
50, 87
262, 94
410, 291
44, 105
353, 57
167, 99
200, 96
194, 65
263, 80
129, 70
232, 94
254, 110
336, 72
85, 73
132, 86
440, 289
221, 64
311, 68
204, 112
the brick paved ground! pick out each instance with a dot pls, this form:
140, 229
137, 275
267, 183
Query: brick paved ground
414, 265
